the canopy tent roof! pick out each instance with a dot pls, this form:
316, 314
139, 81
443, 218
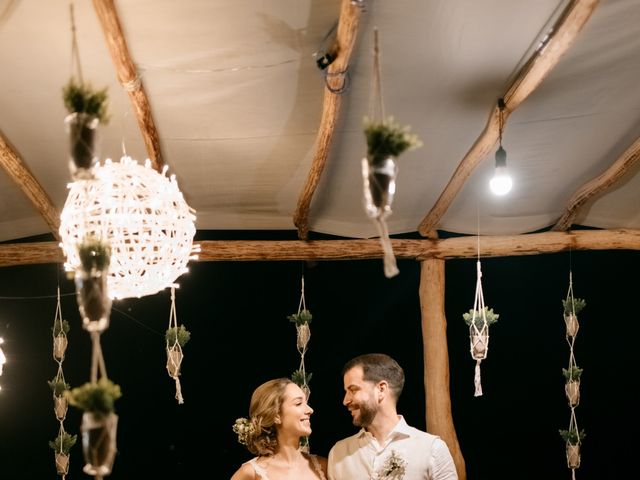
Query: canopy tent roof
236, 105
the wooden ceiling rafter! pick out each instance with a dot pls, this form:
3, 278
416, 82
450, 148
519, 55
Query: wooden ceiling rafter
529, 77
413, 249
336, 76
129, 78
22, 176
602, 182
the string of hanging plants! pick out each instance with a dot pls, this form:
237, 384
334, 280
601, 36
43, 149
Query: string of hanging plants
573, 435
63, 442
302, 320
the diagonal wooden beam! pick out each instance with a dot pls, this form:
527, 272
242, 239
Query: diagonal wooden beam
22, 176
599, 184
336, 77
545, 58
420, 249
128, 77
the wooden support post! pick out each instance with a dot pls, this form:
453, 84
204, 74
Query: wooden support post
436, 359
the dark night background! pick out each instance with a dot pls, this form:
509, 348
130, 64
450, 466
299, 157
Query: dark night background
237, 314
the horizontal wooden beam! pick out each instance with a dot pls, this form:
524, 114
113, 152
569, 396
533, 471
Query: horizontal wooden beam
419, 249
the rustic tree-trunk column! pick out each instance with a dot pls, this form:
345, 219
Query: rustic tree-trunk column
436, 359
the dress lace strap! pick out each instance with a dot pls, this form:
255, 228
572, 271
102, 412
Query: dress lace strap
260, 471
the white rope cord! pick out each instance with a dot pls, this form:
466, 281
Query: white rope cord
479, 338
174, 352
60, 402
97, 360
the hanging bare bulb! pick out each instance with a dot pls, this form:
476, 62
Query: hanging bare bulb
501, 181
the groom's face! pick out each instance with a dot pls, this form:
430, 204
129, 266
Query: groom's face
360, 397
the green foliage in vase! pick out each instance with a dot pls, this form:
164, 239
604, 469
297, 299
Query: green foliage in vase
572, 373
572, 437
60, 328
478, 320
82, 98
386, 139
300, 378
94, 254
301, 318
179, 333
58, 385
95, 397
578, 305
63, 443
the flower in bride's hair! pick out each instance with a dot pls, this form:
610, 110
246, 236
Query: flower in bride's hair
243, 428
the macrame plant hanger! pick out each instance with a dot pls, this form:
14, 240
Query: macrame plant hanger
174, 351
479, 327
380, 179
479, 336
59, 386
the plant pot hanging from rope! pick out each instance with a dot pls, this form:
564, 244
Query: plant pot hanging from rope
386, 140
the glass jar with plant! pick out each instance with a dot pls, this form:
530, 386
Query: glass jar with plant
572, 306
60, 330
58, 386
572, 384
61, 445
176, 338
91, 279
573, 439
99, 423
86, 108
479, 321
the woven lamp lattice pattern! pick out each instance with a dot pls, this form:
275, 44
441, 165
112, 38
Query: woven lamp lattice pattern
143, 216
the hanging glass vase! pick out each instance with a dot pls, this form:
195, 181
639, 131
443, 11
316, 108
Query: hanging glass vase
572, 390
99, 442
59, 346
573, 455
379, 186
82, 129
60, 406
174, 360
571, 323
93, 299
479, 340
62, 463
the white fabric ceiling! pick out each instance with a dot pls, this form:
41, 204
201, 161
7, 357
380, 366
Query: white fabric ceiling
237, 98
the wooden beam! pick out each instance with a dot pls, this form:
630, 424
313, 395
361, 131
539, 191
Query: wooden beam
128, 77
336, 76
288, 250
544, 59
22, 176
436, 359
599, 184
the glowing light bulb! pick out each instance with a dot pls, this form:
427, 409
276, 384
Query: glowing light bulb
501, 182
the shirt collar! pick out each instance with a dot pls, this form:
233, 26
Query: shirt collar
401, 429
